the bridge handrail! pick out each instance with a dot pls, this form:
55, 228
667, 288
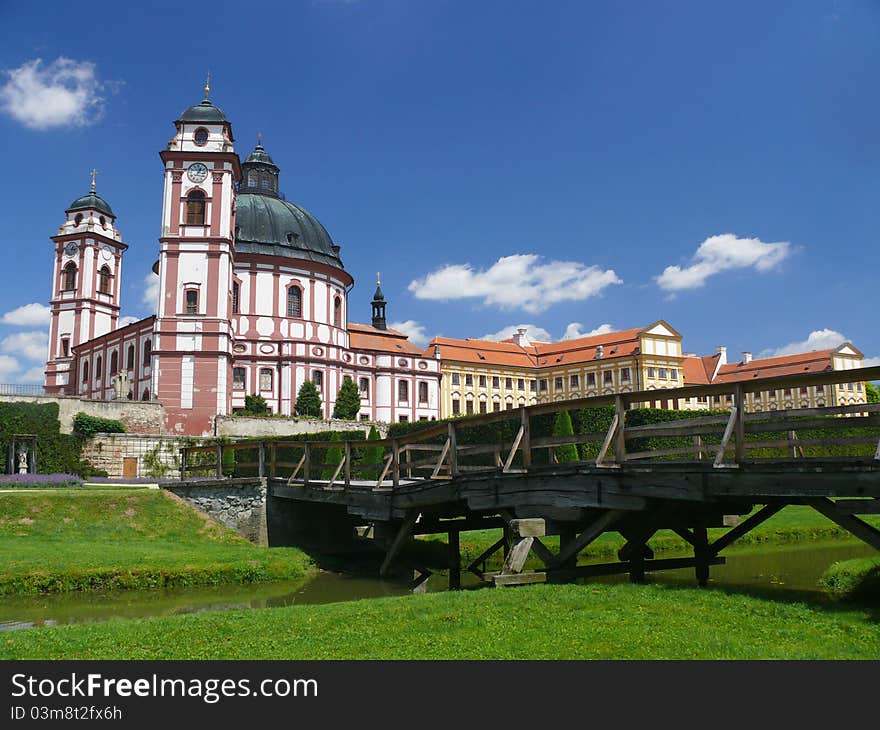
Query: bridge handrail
398, 450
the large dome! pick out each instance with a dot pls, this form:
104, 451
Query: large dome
92, 201
205, 112
268, 225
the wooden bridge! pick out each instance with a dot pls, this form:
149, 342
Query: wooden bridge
499, 470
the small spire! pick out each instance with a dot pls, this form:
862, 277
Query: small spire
208, 85
259, 139
378, 279
94, 174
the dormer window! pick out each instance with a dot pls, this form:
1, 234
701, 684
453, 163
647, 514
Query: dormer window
195, 208
201, 137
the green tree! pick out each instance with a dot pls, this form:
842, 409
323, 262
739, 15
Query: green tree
332, 459
348, 401
872, 393
372, 455
255, 405
308, 400
562, 427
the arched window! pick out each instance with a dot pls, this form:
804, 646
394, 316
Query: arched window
148, 349
70, 276
146, 395
129, 358
195, 208
294, 301
99, 368
337, 312
192, 301
252, 179
265, 379
235, 297
114, 363
103, 221
403, 391
318, 378
85, 371
364, 384
423, 392
78, 219
104, 280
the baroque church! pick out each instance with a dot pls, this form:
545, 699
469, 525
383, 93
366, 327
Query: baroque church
252, 299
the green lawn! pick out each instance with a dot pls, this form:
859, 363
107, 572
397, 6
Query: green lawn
124, 538
537, 622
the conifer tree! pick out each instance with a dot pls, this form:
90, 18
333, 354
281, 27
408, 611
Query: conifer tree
562, 427
308, 400
372, 455
348, 401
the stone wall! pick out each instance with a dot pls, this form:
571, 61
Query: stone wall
244, 426
143, 417
236, 503
158, 456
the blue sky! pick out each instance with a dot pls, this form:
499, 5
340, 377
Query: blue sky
568, 165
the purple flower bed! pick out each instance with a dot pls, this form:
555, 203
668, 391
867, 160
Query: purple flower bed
39, 481
120, 480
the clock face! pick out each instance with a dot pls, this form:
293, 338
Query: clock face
197, 172
71, 249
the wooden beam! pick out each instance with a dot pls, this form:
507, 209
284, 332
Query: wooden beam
739, 403
454, 561
512, 455
858, 506
483, 556
851, 523
607, 442
516, 559
519, 579
440, 461
588, 534
400, 538
725, 439
747, 525
453, 450
526, 440
620, 435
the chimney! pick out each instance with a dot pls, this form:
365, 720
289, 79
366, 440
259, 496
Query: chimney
722, 350
436, 352
747, 357
599, 352
521, 339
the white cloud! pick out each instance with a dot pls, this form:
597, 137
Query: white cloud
573, 331
413, 330
29, 345
150, 297
826, 339
12, 371
516, 282
27, 315
62, 93
871, 362
722, 253
125, 321
533, 332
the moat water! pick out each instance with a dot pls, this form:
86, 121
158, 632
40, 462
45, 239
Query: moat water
788, 570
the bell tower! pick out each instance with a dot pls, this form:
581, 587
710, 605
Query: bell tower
85, 285
193, 344
378, 306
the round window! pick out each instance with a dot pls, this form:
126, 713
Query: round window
201, 137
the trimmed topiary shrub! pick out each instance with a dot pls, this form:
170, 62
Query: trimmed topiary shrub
308, 400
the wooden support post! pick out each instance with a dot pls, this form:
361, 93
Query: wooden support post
567, 535
851, 523
406, 460
619, 434
261, 454
219, 466
516, 559
439, 465
182, 463
483, 556
698, 447
395, 463
307, 463
453, 450
739, 401
589, 533
743, 527
454, 561
347, 458
400, 538
526, 441
273, 460
725, 439
701, 555
612, 429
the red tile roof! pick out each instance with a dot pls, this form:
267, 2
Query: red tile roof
366, 337
771, 367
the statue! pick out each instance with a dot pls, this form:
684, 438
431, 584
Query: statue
120, 385
22, 460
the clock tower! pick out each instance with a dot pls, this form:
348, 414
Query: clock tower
85, 288
192, 353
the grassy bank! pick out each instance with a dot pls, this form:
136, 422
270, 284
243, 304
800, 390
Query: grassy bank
793, 524
857, 579
537, 622
124, 538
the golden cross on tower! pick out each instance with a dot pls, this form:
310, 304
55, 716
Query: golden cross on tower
208, 85
94, 174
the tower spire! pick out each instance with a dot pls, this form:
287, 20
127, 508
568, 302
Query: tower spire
208, 85
378, 303
94, 174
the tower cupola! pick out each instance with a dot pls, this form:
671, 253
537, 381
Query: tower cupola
259, 174
379, 306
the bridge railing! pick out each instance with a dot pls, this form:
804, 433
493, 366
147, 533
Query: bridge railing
504, 442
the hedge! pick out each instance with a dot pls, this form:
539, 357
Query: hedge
56, 452
87, 426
